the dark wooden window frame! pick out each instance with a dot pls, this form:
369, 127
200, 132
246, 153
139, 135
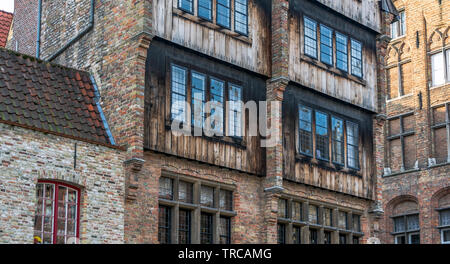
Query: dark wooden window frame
406, 233
195, 208
184, 9
212, 11
229, 14
445, 124
240, 140
330, 115
246, 16
402, 134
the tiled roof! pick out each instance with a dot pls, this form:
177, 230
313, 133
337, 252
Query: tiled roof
50, 98
5, 24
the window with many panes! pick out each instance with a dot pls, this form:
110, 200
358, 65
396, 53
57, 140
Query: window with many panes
444, 225
398, 28
292, 223
341, 52
326, 45
331, 43
224, 13
402, 145
342, 137
57, 213
407, 229
310, 31
205, 9
241, 16
440, 68
205, 88
441, 132
186, 5
191, 201
356, 54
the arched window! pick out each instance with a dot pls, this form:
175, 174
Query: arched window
406, 223
57, 213
444, 218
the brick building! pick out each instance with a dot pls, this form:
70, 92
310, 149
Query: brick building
23, 35
317, 60
413, 130
61, 177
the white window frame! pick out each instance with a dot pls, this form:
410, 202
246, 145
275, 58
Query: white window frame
442, 235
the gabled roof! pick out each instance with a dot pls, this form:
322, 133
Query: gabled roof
50, 98
5, 25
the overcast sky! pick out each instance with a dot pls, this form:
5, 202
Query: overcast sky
7, 5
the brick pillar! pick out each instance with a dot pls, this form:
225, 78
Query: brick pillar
276, 86
376, 212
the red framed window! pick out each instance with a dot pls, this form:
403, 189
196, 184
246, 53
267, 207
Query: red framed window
57, 217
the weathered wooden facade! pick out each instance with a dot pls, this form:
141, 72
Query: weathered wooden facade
316, 58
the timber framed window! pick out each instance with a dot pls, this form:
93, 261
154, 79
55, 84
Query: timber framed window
303, 222
441, 132
224, 13
241, 16
310, 37
401, 140
440, 68
196, 89
331, 133
398, 28
341, 52
356, 54
194, 211
219, 12
57, 215
332, 42
326, 44
407, 229
186, 5
205, 9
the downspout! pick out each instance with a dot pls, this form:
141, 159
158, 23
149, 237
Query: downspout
38, 39
97, 102
77, 37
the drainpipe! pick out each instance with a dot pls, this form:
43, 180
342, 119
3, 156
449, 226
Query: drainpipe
77, 37
38, 40
99, 108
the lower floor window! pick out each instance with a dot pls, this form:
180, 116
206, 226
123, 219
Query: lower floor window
281, 234
225, 230
206, 229
355, 240
406, 229
342, 239
297, 234
164, 226
313, 236
57, 213
445, 236
184, 229
411, 238
327, 237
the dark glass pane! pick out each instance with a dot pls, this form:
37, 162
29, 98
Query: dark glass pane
297, 211
296, 235
342, 239
313, 236
217, 88
341, 52
313, 214
178, 111
235, 116
356, 223
444, 218
355, 240
184, 227
412, 222
305, 126
281, 234
226, 200
322, 148
185, 192
356, 49
282, 208
225, 230
207, 196
206, 228
166, 188
399, 224
343, 221
414, 239
337, 130
164, 225
198, 99
328, 217
327, 237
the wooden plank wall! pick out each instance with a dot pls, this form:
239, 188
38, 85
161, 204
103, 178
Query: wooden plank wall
158, 135
320, 174
325, 79
252, 53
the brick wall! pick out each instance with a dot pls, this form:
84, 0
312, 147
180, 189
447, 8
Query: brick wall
424, 184
24, 28
27, 156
